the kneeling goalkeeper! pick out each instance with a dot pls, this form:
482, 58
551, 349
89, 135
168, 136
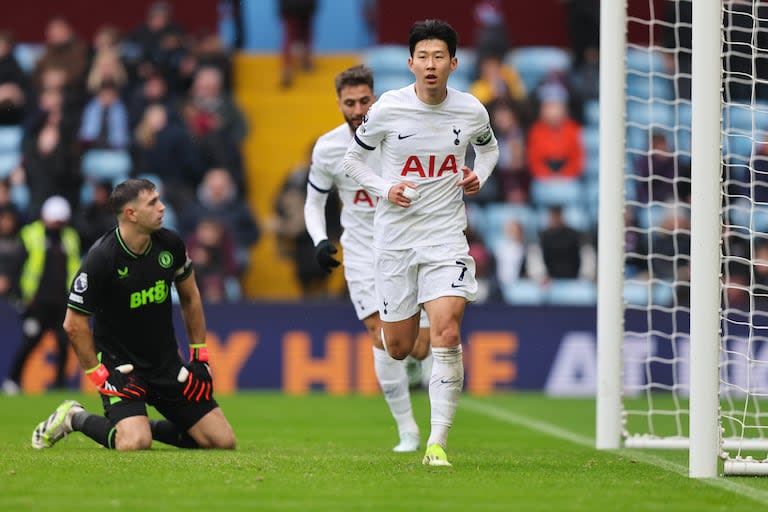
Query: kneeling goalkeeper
132, 356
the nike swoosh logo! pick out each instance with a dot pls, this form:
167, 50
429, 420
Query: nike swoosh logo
401, 137
456, 285
443, 381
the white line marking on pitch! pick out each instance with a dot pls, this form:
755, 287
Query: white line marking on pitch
507, 416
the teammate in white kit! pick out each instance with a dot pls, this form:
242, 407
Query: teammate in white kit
354, 90
421, 252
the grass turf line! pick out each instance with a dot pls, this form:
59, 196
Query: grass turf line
333, 453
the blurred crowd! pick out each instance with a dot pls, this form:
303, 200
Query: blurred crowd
81, 116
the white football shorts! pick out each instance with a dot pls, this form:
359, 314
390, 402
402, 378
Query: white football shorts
407, 278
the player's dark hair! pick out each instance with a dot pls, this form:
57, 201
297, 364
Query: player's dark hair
356, 75
126, 192
433, 29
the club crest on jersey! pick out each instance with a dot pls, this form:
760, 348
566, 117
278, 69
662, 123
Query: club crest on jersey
81, 282
165, 259
456, 132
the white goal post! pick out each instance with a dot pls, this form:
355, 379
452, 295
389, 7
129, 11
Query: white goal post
680, 359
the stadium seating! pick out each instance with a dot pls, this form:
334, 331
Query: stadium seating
556, 192
535, 62
571, 292
525, 292
498, 215
575, 215
10, 138
106, 164
592, 113
27, 54
636, 293
8, 162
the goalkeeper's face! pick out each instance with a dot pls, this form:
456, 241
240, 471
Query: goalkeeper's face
354, 102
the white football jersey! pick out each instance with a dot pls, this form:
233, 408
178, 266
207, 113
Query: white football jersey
359, 205
424, 144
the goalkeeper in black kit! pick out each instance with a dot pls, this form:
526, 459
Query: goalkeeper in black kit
131, 355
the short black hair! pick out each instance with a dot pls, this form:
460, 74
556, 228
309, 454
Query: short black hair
126, 192
356, 75
433, 29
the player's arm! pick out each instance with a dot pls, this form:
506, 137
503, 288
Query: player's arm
191, 308
195, 374
79, 332
314, 218
112, 382
486, 155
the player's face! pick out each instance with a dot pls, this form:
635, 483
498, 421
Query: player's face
149, 210
354, 102
431, 64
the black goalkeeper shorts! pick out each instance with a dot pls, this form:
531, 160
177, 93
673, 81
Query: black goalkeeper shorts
164, 393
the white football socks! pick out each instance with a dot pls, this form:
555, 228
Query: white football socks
394, 384
444, 391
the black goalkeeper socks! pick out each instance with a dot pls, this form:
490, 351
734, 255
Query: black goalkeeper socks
98, 428
168, 433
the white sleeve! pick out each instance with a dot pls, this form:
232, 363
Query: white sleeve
486, 149
314, 213
355, 167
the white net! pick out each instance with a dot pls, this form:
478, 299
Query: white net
744, 254
657, 235
657, 220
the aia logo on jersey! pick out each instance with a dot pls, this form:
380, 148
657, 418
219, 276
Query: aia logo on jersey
362, 196
429, 168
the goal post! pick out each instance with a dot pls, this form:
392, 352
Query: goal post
682, 311
705, 239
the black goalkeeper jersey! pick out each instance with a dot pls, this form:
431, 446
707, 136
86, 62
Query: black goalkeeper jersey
129, 296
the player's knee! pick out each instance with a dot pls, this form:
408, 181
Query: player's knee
448, 336
222, 440
129, 442
398, 352
420, 351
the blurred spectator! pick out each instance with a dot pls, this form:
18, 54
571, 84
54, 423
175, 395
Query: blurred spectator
164, 148
746, 39
511, 253
217, 125
210, 52
584, 78
96, 217
158, 44
65, 51
154, 90
661, 173
293, 241
51, 259
11, 253
677, 37
497, 81
561, 247
555, 148
635, 246
760, 270
217, 198
490, 36
754, 182
49, 161
670, 259
212, 250
106, 68
583, 27
105, 120
485, 268
511, 169
13, 83
297, 17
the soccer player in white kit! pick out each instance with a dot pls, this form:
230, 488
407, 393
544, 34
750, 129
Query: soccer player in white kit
421, 251
354, 90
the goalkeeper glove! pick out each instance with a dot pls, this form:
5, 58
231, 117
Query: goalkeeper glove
324, 255
197, 374
116, 382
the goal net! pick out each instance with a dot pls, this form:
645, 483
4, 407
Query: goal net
662, 178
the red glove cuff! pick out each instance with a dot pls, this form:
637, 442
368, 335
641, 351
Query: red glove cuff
98, 375
198, 352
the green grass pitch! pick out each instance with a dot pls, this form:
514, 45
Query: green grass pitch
509, 452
